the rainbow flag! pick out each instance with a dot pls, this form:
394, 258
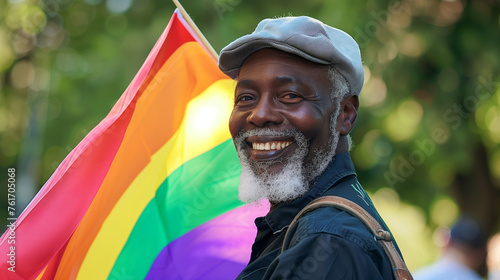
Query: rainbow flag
151, 192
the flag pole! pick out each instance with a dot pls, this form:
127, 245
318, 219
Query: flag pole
196, 30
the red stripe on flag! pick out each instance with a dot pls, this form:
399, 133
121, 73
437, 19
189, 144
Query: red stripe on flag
45, 226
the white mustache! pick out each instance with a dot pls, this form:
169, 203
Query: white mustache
267, 132
297, 135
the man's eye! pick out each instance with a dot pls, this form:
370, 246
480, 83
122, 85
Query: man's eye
243, 98
291, 98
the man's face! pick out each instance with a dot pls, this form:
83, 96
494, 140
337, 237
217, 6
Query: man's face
282, 114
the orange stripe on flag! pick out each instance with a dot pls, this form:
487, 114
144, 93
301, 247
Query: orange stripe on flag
150, 128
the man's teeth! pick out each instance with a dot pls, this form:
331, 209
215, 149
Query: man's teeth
268, 146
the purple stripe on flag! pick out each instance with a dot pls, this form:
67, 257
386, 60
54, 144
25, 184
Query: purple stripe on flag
218, 249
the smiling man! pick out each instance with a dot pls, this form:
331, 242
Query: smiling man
295, 103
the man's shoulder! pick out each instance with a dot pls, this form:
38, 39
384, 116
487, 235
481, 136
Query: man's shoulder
445, 269
337, 223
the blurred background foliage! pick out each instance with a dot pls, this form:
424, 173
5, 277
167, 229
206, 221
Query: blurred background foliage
428, 132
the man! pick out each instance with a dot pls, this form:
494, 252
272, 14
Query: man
295, 103
463, 254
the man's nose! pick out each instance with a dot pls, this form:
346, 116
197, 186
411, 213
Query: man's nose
265, 113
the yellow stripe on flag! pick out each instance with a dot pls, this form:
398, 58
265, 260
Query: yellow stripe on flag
203, 128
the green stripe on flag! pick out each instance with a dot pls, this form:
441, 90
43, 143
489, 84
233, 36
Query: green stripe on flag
198, 191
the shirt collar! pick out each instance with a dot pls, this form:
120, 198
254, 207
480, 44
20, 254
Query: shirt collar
281, 217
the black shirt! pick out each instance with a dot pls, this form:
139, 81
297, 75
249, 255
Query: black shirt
326, 243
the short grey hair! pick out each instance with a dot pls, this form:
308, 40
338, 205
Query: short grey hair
340, 88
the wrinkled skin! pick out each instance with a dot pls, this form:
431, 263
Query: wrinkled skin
281, 91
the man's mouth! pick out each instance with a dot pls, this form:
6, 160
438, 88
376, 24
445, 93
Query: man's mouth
270, 146
263, 148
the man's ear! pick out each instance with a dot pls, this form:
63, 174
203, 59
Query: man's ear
348, 114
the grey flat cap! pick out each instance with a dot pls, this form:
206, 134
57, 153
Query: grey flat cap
303, 36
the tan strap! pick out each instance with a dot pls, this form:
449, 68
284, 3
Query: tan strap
383, 237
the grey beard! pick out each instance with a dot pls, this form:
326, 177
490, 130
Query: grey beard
292, 181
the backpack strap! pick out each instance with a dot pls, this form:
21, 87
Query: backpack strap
383, 237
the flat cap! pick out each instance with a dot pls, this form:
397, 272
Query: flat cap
304, 36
